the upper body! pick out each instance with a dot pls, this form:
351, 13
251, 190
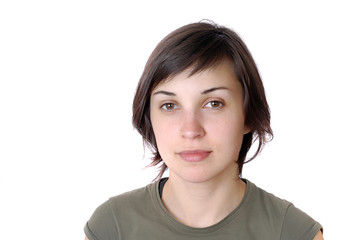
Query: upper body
140, 214
199, 106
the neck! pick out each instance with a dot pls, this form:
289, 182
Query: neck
202, 204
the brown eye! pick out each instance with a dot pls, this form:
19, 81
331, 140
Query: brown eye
168, 106
214, 104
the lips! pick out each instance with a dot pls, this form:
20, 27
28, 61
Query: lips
194, 155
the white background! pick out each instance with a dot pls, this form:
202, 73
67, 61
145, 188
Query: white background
68, 72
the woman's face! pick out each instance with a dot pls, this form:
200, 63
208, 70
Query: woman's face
198, 123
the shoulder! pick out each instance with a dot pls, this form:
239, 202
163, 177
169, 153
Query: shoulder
104, 222
293, 222
299, 223
133, 201
101, 224
132, 196
269, 204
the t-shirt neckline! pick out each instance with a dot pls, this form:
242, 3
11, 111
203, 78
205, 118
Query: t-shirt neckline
158, 204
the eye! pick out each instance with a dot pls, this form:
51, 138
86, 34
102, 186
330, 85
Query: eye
168, 106
214, 104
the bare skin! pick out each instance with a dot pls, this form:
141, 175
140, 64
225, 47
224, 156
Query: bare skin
319, 236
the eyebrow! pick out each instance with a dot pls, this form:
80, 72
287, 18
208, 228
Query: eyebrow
214, 89
203, 93
165, 93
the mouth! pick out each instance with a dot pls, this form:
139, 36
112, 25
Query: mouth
194, 155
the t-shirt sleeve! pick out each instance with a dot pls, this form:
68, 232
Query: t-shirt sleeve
298, 225
102, 225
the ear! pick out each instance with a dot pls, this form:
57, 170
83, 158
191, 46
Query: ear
246, 130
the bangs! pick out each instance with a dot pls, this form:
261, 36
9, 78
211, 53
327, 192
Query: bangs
191, 50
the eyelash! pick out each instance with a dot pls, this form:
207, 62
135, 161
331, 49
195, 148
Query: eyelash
221, 104
166, 106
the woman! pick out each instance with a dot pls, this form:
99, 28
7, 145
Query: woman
199, 105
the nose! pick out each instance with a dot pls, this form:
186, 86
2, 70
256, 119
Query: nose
191, 126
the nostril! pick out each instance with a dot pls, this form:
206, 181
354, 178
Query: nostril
192, 135
191, 125
193, 130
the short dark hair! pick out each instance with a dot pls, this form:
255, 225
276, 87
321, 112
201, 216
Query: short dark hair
200, 46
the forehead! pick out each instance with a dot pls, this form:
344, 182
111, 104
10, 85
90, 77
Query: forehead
221, 73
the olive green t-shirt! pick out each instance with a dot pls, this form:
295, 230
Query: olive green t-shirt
140, 214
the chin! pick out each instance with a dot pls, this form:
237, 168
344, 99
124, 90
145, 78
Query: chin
194, 176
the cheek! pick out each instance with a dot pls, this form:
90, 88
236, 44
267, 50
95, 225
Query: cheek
164, 134
228, 131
